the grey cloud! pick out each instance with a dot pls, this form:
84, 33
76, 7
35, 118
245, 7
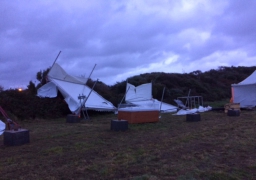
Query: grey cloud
121, 36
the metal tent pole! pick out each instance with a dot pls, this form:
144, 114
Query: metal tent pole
187, 101
123, 97
86, 98
162, 99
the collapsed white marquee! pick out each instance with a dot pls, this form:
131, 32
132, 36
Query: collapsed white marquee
71, 88
141, 97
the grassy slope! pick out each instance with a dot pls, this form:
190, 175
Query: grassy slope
218, 147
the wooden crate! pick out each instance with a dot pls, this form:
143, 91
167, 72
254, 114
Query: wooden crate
134, 117
234, 106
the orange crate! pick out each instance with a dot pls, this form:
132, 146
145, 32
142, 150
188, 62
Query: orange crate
134, 117
235, 106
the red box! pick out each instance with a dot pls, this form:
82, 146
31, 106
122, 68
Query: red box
140, 116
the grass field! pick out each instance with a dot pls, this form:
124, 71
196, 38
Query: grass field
217, 147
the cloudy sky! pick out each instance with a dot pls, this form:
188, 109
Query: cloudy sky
123, 37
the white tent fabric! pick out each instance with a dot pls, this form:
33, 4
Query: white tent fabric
57, 72
139, 93
49, 90
192, 111
71, 88
141, 96
245, 92
153, 104
2, 127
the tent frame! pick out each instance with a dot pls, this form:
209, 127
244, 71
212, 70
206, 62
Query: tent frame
192, 101
82, 98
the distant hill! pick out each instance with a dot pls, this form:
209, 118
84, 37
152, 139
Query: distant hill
213, 85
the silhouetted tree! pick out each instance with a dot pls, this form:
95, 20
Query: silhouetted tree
41, 76
1, 88
32, 88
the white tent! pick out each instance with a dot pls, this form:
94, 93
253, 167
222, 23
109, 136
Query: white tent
194, 110
2, 127
141, 97
71, 88
245, 92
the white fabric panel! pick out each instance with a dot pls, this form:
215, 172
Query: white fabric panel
168, 107
47, 90
72, 104
139, 93
155, 104
141, 96
2, 127
245, 91
71, 91
192, 111
249, 80
245, 95
57, 72
149, 104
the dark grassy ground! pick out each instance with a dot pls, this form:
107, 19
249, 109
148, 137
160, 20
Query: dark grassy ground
217, 147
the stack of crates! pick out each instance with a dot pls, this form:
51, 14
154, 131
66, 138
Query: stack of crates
234, 106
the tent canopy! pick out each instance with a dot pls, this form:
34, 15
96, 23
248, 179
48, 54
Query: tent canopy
248, 81
2, 127
139, 93
245, 91
71, 88
58, 73
141, 97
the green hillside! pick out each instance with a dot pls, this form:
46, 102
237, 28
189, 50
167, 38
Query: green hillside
213, 85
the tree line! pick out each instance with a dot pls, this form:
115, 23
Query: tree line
212, 85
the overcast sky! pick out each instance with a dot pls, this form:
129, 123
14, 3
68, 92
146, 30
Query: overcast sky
123, 37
